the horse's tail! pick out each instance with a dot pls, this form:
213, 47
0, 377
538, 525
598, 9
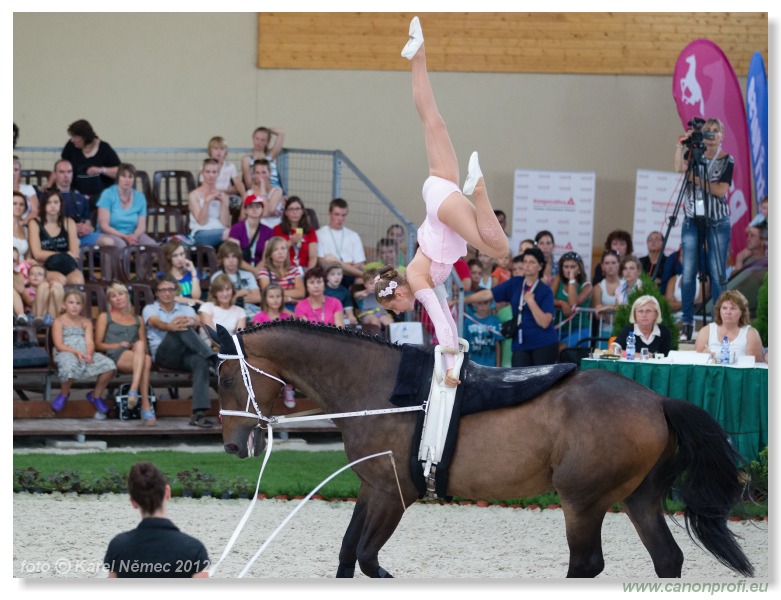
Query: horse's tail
705, 472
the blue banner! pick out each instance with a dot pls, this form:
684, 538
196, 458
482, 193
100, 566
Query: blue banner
756, 113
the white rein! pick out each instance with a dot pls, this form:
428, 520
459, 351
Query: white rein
272, 420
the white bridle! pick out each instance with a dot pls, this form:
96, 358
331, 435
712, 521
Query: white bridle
272, 420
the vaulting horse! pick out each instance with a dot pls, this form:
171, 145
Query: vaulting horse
595, 437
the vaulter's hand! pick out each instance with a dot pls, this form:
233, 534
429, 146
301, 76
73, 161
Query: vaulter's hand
450, 379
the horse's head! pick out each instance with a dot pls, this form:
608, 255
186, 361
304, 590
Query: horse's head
242, 435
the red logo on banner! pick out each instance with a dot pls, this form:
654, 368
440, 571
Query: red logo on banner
705, 85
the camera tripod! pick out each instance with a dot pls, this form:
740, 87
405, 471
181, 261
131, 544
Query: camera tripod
698, 169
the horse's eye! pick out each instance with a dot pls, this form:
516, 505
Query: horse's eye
228, 382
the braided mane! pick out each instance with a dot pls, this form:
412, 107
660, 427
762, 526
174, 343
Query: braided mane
319, 328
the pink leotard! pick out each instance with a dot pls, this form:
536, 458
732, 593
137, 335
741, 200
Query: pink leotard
437, 241
443, 247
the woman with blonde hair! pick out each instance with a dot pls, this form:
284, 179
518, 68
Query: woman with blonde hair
121, 335
645, 320
731, 319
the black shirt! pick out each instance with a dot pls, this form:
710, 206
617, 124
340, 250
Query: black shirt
662, 343
156, 548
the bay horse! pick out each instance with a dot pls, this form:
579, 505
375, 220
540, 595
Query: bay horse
596, 438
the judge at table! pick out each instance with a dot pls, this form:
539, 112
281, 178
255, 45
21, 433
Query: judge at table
646, 321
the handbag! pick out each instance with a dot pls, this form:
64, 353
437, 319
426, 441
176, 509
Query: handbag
510, 328
61, 263
123, 412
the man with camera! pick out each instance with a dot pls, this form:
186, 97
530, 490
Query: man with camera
706, 225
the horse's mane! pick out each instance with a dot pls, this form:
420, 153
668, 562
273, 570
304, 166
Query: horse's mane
318, 328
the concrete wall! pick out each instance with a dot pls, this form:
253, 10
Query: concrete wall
174, 80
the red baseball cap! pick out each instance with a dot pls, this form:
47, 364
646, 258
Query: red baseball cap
252, 199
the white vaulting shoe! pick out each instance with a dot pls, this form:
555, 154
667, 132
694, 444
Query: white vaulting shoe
415, 39
473, 175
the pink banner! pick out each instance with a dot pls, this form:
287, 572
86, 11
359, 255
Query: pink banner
705, 86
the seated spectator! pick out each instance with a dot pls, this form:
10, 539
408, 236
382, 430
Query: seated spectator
370, 313
175, 344
488, 265
94, 160
645, 320
77, 205
263, 148
23, 302
630, 278
228, 179
335, 289
121, 335
47, 296
337, 243
20, 229
673, 291
301, 237
482, 329
619, 241
251, 235
245, 283
655, 256
606, 292
502, 271
279, 270
316, 307
184, 272
396, 233
272, 196
571, 291
156, 541
122, 212
221, 308
756, 246
74, 353
272, 307
209, 207
545, 242
761, 216
29, 192
525, 245
388, 253
54, 243
731, 319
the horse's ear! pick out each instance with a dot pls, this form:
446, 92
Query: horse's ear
225, 340
213, 334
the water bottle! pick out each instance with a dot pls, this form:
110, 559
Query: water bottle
630, 346
724, 356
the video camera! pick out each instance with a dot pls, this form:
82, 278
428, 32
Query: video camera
698, 135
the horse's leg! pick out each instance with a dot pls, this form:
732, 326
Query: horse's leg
348, 553
384, 511
644, 510
584, 537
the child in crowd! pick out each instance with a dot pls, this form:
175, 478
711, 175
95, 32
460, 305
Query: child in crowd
74, 353
335, 289
502, 271
571, 291
47, 296
271, 305
516, 268
23, 301
483, 332
488, 267
183, 269
370, 313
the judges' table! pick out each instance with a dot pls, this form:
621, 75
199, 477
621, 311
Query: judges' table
735, 397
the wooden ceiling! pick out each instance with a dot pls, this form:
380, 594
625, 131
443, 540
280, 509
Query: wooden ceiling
583, 43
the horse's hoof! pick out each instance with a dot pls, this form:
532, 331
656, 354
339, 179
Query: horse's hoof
383, 574
345, 571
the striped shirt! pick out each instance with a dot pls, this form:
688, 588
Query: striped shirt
288, 282
719, 171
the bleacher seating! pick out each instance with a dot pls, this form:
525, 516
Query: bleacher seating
172, 188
